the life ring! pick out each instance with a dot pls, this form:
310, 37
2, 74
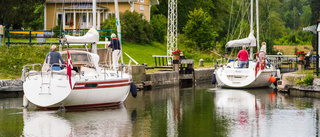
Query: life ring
263, 64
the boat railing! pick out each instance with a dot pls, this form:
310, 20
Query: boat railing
26, 69
220, 62
286, 63
123, 69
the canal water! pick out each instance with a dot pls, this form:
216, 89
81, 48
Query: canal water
202, 110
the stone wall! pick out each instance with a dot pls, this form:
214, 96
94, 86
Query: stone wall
203, 75
168, 78
11, 88
138, 74
11, 85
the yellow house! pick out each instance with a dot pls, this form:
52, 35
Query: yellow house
77, 14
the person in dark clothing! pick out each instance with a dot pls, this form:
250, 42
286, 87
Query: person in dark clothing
54, 57
115, 45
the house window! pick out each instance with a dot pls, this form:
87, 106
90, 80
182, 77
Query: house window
66, 15
84, 18
58, 21
141, 7
142, 1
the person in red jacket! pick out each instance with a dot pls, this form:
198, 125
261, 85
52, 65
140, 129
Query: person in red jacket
243, 57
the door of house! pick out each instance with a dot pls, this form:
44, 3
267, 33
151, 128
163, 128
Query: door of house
83, 21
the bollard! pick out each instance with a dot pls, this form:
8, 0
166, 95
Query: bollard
201, 62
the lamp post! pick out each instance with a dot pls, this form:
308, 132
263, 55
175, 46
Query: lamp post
318, 47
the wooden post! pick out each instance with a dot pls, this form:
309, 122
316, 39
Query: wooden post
29, 37
175, 66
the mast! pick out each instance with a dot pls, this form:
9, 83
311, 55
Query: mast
257, 13
118, 26
94, 12
94, 8
251, 17
251, 27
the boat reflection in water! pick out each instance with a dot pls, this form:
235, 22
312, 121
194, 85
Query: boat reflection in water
251, 113
98, 122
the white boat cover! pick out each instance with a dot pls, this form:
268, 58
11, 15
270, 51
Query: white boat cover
92, 36
250, 41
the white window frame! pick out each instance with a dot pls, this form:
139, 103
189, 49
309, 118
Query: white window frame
142, 1
141, 7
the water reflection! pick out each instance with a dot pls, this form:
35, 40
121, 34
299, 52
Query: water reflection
257, 113
96, 122
200, 110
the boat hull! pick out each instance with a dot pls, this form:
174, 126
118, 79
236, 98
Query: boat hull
243, 77
83, 93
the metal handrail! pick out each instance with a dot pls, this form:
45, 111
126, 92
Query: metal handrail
27, 70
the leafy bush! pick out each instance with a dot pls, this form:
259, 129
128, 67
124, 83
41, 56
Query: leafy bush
14, 58
308, 80
110, 24
135, 29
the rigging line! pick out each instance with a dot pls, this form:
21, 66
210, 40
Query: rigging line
61, 24
55, 6
80, 17
235, 28
235, 22
230, 21
241, 27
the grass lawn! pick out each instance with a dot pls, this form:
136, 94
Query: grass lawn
289, 50
29, 54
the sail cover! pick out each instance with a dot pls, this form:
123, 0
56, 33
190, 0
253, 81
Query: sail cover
250, 41
92, 36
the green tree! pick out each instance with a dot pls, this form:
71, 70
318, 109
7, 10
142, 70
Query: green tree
315, 6
295, 17
199, 29
159, 23
35, 22
17, 12
306, 16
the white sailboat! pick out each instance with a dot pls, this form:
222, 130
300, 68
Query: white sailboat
231, 76
90, 84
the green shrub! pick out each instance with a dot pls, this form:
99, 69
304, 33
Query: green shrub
109, 24
298, 82
307, 80
135, 29
14, 58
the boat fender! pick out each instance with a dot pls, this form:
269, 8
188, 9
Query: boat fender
25, 101
263, 64
214, 81
133, 90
